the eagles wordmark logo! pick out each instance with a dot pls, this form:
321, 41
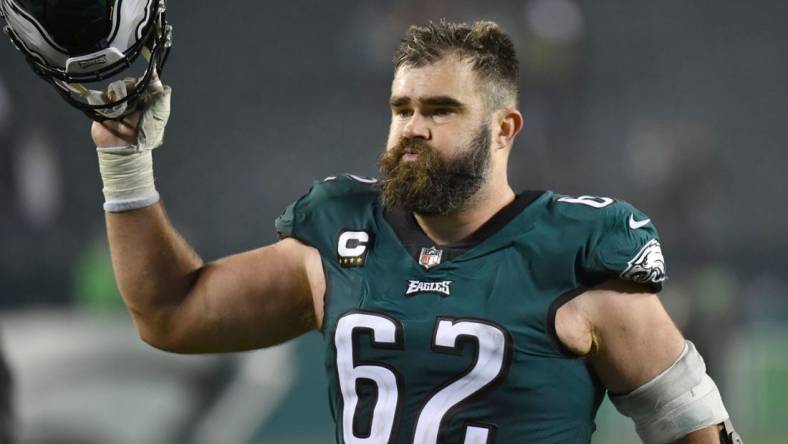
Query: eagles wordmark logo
648, 266
442, 288
352, 248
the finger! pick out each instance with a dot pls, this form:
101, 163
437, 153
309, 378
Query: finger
125, 125
131, 120
155, 86
118, 130
110, 128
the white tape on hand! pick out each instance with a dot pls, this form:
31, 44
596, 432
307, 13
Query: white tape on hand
127, 171
128, 180
155, 115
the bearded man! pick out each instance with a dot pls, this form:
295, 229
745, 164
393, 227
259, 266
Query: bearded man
453, 309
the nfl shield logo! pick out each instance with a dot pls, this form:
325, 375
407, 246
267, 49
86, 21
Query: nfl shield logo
430, 257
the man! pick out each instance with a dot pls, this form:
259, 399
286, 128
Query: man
453, 309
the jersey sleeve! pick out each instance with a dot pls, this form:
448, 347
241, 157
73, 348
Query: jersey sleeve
284, 223
625, 244
609, 239
330, 206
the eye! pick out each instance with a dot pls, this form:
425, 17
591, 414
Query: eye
442, 112
403, 113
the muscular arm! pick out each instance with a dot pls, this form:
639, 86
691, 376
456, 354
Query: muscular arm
250, 300
628, 337
253, 299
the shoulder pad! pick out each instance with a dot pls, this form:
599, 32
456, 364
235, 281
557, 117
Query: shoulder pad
335, 198
620, 240
344, 184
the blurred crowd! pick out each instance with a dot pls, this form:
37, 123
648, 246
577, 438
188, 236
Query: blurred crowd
677, 107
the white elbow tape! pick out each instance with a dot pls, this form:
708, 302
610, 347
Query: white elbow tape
678, 401
127, 174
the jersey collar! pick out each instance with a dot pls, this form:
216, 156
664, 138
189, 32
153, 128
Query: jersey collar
414, 239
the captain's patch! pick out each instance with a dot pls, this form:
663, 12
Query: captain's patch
352, 247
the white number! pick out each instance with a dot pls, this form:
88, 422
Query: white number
591, 201
384, 331
492, 350
489, 365
362, 179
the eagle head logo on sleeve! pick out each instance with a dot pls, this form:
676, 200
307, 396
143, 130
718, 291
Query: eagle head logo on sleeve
648, 266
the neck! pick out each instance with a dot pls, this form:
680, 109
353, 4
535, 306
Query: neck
458, 225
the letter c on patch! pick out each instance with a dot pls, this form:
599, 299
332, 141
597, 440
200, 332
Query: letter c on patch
352, 243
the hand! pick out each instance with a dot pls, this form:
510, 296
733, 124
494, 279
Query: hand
124, 147
116, 133
140, 130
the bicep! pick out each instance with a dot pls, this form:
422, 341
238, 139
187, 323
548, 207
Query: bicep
635, 338
635, 342
250, 300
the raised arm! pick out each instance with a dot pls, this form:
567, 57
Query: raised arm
250, 300
245, 301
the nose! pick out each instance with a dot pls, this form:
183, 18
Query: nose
417, 126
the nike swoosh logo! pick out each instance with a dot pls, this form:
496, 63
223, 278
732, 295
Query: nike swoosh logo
635, 224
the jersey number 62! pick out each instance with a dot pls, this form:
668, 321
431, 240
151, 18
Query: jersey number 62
493, 344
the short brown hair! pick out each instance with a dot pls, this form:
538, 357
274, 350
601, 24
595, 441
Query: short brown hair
483, 44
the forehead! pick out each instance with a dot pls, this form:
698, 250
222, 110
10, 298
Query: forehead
449, 76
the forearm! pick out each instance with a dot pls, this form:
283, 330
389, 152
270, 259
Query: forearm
154, 266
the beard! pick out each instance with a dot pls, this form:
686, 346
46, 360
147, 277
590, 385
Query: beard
431, 184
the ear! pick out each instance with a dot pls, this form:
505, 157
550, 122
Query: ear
509, 123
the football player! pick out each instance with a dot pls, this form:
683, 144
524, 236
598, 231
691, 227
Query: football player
453, 309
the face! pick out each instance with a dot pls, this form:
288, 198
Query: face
438, 151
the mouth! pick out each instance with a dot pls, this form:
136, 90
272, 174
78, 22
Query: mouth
409, 154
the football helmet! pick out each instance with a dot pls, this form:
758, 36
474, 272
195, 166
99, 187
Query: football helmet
72, 42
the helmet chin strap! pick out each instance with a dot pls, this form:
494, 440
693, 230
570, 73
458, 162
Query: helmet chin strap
115, 91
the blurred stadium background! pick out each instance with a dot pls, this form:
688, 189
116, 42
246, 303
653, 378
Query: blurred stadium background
679, 107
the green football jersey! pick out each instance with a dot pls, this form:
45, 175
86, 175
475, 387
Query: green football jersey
456, 344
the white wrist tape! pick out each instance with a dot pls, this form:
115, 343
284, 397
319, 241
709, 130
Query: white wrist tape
678, 401
127, 171
127, 174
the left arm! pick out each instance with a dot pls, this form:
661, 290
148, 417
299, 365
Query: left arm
629, 339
